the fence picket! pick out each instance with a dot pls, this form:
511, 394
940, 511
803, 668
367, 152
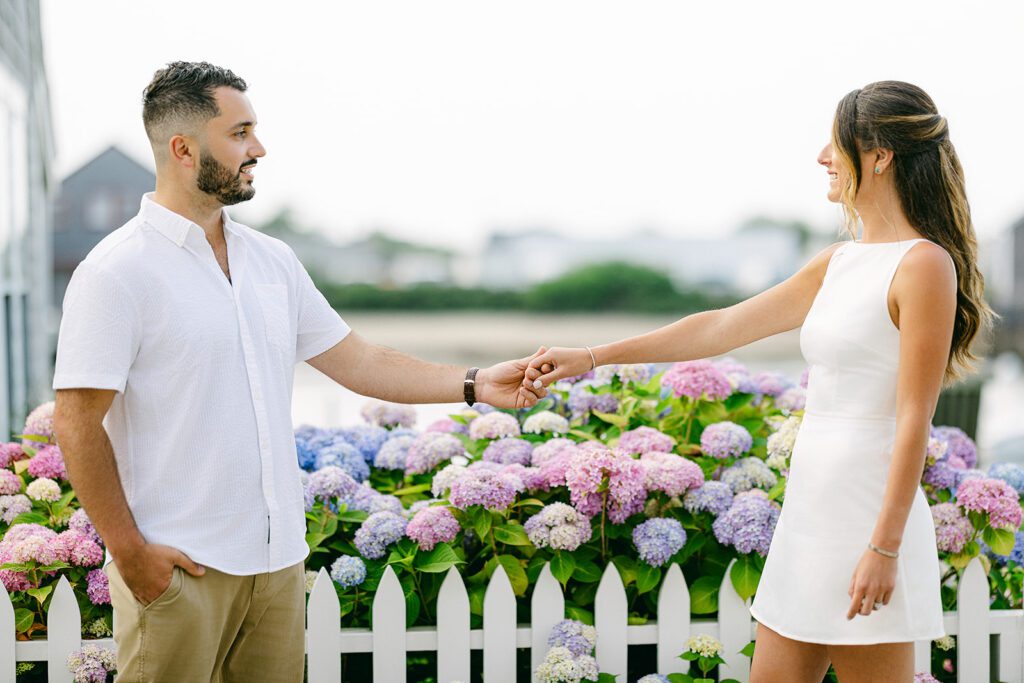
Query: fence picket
323, 628
388, 614
610, 618
734, 622
7, 658
453, 629
973, 630
673, 622
499, 629
1011, 654
547, 608
63, 631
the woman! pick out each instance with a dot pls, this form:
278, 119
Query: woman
852, 576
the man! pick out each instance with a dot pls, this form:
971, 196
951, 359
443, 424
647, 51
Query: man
174, 378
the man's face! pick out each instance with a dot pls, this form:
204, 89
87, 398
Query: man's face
229, 150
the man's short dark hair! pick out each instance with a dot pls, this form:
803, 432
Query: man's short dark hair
182, 93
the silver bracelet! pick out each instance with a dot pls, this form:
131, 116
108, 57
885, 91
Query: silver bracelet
882, 551
592, 358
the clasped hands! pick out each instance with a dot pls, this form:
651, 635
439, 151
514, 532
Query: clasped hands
521, 383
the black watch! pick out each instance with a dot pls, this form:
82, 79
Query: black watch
469, 386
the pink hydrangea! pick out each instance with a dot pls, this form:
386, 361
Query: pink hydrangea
483, 486
952, 529
98, 588
447, 425
39, 423
433, 525
994, 497
551, 449
625, 494
48, 463
671, 473
697, 379
552, 471
10, 483
10, 452
645, 440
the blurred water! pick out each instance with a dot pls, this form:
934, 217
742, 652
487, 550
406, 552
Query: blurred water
485, 338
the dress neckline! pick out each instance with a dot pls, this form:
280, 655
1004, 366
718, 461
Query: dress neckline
869, 244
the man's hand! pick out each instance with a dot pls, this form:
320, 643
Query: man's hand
147, 571
501, 385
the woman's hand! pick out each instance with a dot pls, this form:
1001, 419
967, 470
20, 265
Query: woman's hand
872, 582
557, 363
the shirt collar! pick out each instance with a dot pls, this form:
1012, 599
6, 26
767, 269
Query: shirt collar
176, 227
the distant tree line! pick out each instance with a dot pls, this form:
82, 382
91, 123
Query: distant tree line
620, 287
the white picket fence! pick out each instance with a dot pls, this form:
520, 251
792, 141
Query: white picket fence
389, 640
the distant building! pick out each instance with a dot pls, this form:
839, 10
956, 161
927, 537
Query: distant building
745, 262
1005, 286
26, 189
95, 200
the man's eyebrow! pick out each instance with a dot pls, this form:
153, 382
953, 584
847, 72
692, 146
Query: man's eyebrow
243, 124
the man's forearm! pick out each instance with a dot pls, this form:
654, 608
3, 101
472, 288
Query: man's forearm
391, 375
92, 470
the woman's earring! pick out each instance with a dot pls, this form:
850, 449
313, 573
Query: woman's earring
878, 169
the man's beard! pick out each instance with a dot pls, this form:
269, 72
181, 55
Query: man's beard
221, 182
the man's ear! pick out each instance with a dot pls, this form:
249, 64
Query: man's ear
181, 149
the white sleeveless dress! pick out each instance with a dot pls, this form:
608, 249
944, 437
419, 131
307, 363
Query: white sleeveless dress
839, 467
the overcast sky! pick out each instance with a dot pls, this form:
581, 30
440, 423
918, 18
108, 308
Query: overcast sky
445, 121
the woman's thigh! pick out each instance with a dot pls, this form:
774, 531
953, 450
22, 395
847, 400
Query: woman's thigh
869, 663
778, 659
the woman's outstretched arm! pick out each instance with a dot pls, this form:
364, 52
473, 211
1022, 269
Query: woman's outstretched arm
701, 335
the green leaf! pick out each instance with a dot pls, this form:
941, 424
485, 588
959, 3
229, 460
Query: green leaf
511, 534
647, 577
748, 651
680, 678
353, 516
587, 572
516, 574
528, 502
481, 521
704, 595
562, 566
778, 489
30, 518
1000, 540
745, 576
579, 614
606, 678
33, 437
620, 421
314, 539
23, 619
41, 593
440, 559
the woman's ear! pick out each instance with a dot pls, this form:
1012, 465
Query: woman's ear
882, 160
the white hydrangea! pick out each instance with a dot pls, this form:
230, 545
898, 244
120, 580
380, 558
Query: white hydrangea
945, 643
561, 667
936, 450
444, 479
546, 422
310, 580
43, 489
705, 646
780, 444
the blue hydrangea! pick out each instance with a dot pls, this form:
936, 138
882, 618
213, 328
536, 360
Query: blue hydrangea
348, 571
1016, 554
1011, 473
391, 455
583, 401
367, 438
658, 539
579, 638
345, 456
714, 497
749, 524
748, 473
653, 678
377, 532
399, 432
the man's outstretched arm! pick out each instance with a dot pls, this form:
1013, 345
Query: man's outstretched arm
390, 375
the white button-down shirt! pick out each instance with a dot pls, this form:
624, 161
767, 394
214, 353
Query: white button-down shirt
201, 426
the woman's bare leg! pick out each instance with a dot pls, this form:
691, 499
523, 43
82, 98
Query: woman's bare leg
778, 659
870, 663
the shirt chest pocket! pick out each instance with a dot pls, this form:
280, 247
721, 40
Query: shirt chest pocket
276, 314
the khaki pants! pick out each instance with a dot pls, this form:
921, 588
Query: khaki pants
215, 627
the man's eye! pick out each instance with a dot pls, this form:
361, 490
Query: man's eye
240, 133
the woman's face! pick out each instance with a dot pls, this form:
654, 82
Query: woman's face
838, 173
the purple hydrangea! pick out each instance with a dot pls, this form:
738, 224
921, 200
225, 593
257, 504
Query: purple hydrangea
509, 450
392, 454
583, 401
591, 467
772, 384
348, 571
805, 376
483, 486
714, 497
1011, 473
579, 638
994, 497
725, 440
494, 426
697, 379
748, 473
940, 476
81, 523
429, 450
377, 532
345, 456
952, 528
383, 414
49, 463
330, 482
10, 483
792, 399
433, 525
92, 664
645, 440
673, 474
12, 506
748, 524
658, 539
960, 445
558, 526
98, 589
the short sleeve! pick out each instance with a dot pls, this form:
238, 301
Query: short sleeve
319, 326
99, 332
